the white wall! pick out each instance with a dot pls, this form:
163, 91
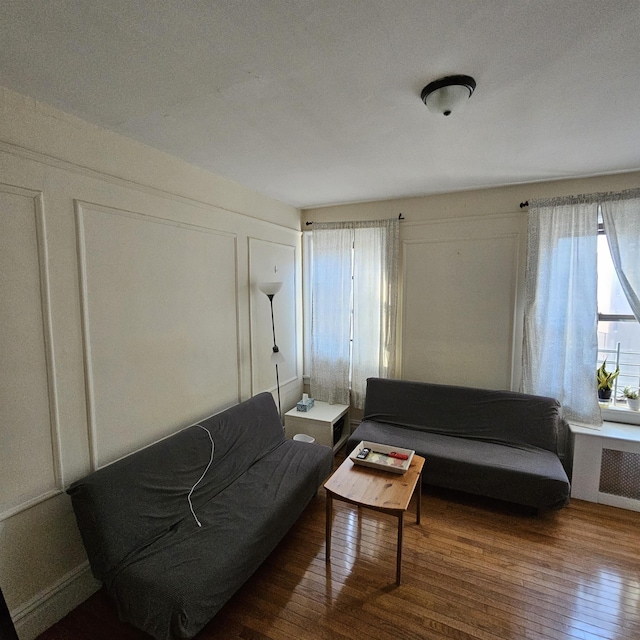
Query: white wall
128, 310
462, 276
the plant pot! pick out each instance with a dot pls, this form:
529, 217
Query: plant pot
633, 404
604, 394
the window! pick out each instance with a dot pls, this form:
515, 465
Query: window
618, 330
563, 274
351, 273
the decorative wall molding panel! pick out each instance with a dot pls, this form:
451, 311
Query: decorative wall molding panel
459, 296
159, 346
30, 465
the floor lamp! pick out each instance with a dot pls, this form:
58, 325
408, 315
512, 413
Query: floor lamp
270, 289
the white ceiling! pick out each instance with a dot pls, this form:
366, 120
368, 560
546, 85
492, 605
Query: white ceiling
318, 102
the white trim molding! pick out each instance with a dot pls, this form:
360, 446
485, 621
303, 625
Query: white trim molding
81, 209
49, 353
53, 603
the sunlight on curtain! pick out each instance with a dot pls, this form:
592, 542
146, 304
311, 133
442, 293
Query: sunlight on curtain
331, 313
560, 324
621, 217
354, 307
375, 300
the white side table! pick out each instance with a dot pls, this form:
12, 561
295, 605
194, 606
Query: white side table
318, 423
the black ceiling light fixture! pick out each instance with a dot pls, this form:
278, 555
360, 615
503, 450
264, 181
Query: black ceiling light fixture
448, 94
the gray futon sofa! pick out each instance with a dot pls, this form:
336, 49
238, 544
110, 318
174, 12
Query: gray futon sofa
499, 444
168, 575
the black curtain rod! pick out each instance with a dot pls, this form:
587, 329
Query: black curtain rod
400, 217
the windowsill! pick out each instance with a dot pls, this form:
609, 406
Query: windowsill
610, 431
615, 413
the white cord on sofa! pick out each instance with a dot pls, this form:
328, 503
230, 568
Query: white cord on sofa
202, 476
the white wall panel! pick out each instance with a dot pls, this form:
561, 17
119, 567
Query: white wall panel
29, 464
160, 326
459, 299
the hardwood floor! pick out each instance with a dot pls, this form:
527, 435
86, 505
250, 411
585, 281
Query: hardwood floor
473, 569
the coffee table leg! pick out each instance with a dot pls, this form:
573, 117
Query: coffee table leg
399, 556
419, 498
328, 526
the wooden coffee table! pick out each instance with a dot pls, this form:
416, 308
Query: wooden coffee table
378, 490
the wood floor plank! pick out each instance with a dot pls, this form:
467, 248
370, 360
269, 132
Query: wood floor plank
474, 569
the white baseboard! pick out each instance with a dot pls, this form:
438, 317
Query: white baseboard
54, 602
619, 501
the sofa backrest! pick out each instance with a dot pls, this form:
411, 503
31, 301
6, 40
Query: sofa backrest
505, 417
133, 501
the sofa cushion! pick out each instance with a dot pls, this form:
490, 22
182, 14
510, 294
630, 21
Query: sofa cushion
134, 501
503, 417
522, 474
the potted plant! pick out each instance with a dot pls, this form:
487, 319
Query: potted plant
605, 380
633, 398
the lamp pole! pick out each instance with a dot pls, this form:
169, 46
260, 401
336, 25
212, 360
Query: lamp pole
270, 289
275, 351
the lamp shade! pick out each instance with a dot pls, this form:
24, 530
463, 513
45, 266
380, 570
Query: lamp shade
270, 288
277, 357
448, 94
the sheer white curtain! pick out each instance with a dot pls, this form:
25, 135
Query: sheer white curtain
354, 307
331, 313
621, 216
375, 302
560, 325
